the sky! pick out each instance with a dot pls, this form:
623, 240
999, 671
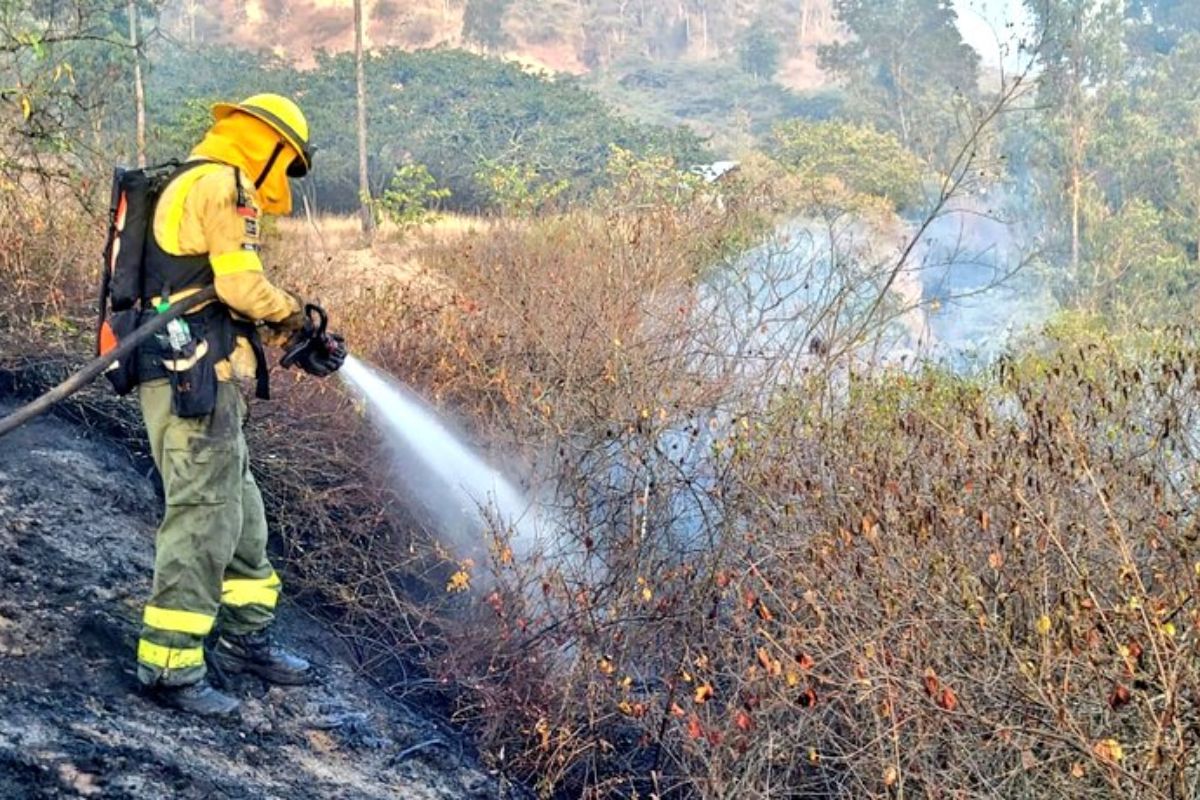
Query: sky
985, 26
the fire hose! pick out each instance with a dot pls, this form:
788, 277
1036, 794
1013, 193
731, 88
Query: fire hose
98, 365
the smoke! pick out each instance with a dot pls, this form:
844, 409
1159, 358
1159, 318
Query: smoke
978, 288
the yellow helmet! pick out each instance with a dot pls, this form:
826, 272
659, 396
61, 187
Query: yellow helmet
284, 116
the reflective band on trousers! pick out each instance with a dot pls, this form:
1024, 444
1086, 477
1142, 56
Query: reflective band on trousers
251, 591
169, 619
169, 657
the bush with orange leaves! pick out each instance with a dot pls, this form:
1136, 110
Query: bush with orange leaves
807, 580
929, 586
804, 580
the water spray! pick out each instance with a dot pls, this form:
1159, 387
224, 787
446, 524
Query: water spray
457, 484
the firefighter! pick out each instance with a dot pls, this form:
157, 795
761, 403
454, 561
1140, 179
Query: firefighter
211, 571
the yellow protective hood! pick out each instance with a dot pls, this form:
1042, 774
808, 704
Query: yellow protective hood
247, 143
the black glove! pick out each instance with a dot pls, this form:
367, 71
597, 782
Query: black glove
320, 356
325, 357
312, 349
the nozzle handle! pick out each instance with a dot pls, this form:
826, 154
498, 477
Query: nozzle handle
322, 319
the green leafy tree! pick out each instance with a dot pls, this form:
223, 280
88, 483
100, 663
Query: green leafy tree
647, 182
449, 110
906, 69
864, 160
1157, 26
410, 197
518, 189
1082, 62
1131, 266
758, 51
66, 86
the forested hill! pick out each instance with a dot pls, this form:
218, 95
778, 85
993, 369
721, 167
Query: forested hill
574, 36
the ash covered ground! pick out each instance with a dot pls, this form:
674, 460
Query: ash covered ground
77, 521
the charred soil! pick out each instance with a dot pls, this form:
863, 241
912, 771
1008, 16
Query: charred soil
77, 521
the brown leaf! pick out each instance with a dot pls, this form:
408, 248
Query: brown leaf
932, 684
1119, 697
764, 613
948, 699
743, 721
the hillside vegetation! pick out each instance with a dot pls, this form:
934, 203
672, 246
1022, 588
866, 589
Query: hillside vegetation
729, 68
561, 35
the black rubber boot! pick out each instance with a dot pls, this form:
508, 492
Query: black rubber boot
197, 698
257, 654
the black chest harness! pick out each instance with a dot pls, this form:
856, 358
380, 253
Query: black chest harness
164, 274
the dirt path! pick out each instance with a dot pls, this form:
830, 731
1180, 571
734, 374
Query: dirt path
76, 530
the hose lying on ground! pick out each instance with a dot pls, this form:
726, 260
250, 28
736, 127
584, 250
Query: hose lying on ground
97, 365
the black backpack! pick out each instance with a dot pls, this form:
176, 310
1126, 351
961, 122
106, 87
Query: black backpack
131, 215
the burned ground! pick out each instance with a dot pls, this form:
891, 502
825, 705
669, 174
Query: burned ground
77, 519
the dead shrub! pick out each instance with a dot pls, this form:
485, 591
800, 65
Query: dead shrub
863, 585
49, 257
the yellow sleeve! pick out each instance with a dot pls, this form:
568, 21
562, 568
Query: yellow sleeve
231, 223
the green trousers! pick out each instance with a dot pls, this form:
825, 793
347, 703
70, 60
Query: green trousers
210, 556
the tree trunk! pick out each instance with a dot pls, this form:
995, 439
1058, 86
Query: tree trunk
139, 91
1076, 190
364, 184
189, 10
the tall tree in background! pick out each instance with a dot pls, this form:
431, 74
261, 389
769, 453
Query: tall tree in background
817, 19
139, 89
906, 69
1081, 59
364, 181
758, 51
